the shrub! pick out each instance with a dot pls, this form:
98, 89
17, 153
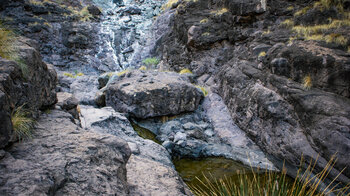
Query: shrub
272, 183
151, 62
185, 71
22, 124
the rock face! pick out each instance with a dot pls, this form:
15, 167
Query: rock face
144, 94
68, 103
85, 35
207, 132
290, 97
31, 84
63, 159
149, 169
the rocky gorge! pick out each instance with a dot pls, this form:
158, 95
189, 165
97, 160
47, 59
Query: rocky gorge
119, 91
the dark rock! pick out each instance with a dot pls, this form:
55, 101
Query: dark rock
284, 130
63, 159
280, 66
94, 10
149, 169
153, 94
5, 120
31, 84
68, 103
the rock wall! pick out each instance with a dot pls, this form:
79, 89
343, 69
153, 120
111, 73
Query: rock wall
241, 50
31, 84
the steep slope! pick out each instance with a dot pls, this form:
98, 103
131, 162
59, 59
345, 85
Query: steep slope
285, 82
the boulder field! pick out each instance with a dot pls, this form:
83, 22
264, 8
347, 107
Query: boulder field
269, 85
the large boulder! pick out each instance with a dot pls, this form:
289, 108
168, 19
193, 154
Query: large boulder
63, 159
30, 82
151, 93
149, 169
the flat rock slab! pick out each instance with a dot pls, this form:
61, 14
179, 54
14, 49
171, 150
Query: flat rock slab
63, 159
144, 94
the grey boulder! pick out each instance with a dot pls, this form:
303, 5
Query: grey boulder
149, 94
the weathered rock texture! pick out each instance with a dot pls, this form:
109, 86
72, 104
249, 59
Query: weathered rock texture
63, 159
33, 85
149, 169
144, 94
246, 56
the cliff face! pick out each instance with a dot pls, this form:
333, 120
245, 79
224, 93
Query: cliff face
283, 73
31, 83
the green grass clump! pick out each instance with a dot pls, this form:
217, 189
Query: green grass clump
185, 71
272, 183
204, 91
151, 62
22, 124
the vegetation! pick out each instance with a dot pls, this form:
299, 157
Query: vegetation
8, 49
302, 11
271, 183
143, 68
169, 4
205, 20
322, 32
22, 124
185, 71
262, 54
288, 23
204, 91
122, 72
307, 82
219, 12
151, 62
73, 76
290, 8
206, 34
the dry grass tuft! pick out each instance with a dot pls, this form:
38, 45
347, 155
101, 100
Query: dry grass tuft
22, 124
185, 71
220, 11
272, 183
307, 82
